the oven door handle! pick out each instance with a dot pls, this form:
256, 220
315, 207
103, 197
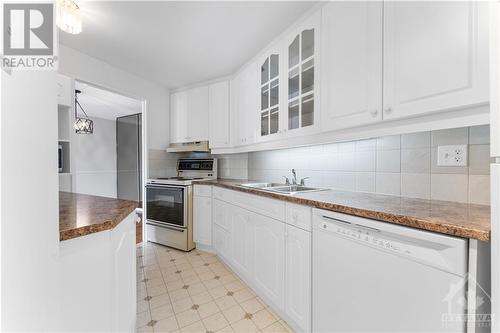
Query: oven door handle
161, 225
165, 187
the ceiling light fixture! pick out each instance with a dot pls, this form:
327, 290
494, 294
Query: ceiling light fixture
82, 125
68, 16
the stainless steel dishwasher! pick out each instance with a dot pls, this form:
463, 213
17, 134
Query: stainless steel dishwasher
371, 276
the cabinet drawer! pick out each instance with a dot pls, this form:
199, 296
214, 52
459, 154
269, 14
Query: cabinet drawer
222, 194
261, 205
203, 190
299, 216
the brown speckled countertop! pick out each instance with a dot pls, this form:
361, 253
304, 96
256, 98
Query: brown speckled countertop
451, 218
81, 214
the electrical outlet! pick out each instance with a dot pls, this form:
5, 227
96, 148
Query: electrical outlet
452, 155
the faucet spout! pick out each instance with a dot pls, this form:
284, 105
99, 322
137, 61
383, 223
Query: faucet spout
294, 179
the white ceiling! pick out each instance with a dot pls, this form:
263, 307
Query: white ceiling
177, 43
100, 103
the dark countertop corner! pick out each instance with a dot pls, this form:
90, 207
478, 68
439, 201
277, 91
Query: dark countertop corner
82, 214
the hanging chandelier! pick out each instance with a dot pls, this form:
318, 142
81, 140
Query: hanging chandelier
68, 16
82, 125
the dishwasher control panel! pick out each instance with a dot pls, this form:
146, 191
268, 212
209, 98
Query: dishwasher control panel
370, 237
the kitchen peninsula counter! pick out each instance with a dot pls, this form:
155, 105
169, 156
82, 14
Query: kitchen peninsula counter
81, 214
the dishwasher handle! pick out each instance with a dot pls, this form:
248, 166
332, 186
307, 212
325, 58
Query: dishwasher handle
334, 220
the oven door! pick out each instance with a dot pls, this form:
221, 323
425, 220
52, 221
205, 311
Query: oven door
166, 206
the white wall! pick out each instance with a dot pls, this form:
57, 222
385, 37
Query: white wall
29, 202
94, 160
85, 68
401, 165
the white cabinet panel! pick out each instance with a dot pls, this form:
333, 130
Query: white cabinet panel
298, 276
219, 118
270, 109
221, 214
247, 104
298, 215
435, 56
301, 77
65, 92
269, 254
202, 220
202, 190
351, 64
222, 242
197, 107
495, 78
178, 117
189, 115
241, 237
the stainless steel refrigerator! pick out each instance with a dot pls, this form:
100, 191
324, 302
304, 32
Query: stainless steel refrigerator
128, 157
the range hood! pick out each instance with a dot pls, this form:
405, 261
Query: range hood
199, 147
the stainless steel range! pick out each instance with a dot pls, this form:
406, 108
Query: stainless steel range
169, 203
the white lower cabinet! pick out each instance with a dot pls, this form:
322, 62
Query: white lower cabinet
242, 254
222, 242
269, 263
202, 220
221, 215
271, 255
298, 276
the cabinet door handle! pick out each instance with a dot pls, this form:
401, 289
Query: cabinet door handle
388, 110
374, 113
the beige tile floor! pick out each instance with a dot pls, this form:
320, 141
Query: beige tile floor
196, 292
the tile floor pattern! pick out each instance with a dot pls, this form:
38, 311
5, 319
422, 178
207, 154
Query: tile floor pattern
196, 292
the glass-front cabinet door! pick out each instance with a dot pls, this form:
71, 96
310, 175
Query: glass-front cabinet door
302, 59
270, 95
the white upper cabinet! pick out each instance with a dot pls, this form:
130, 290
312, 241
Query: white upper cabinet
189, 115
247, 103
219, 118
435, 56
270, 101
301, 74
351, 64
197, 108
178, 117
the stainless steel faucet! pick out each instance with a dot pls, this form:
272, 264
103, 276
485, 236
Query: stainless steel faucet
294, 179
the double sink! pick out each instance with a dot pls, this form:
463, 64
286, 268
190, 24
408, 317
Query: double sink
282, 188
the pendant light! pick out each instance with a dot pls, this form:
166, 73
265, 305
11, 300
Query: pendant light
68, 16
82, 125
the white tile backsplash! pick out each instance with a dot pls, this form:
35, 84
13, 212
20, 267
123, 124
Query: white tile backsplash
403, 165
454, 136
389, 142
449, 187
479, 189
389, 160
479, 135
417, 160
388, 183
416, 185
479, 159
416, 140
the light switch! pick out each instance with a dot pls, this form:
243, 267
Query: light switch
452, 155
